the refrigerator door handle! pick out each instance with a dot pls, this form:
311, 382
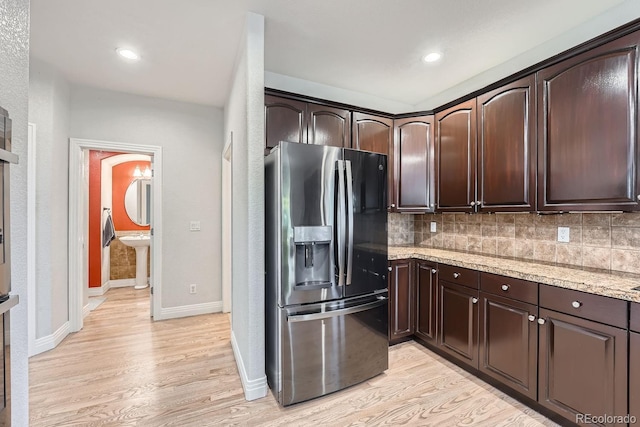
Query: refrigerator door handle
336, 313
350, 221
340, 218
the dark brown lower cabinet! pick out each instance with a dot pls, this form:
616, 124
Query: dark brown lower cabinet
426, 301
634, 374
458, 322
582, 366
509, 342
401, 300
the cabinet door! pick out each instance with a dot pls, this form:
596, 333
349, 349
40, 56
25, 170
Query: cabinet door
634, 374
426, 301
456, 158
414, 179
582, 366
458, 322
588, 130
328, 126
375, 133
506, 148
284, 120
509, 342
401, 311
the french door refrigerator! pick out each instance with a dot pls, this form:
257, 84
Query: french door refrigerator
326, 269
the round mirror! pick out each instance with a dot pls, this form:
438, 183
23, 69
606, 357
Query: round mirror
137, 201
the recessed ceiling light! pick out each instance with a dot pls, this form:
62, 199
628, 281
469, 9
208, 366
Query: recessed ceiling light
128, 53
432, 57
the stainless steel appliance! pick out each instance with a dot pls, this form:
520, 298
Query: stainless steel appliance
6, 157
326, 269
6, 301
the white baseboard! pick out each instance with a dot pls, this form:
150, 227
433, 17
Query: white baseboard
50, 342
253, 389
190, 310
100, 290
121, 283
85, 311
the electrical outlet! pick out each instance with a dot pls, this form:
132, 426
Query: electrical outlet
194, 226
433, 226
193, 288
563, 234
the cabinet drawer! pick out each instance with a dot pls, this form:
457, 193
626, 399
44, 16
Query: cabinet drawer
634, 318
458, 275
598, 308
521, 290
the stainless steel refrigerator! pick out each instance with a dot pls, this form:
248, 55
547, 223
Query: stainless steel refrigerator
326, 269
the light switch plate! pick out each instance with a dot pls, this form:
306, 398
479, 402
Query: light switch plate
194, 226
563, 234
433, 226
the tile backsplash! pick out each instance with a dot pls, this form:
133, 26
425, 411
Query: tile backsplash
400, 229
608, 241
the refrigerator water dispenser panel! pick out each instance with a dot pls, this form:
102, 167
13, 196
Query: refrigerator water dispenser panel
313, 252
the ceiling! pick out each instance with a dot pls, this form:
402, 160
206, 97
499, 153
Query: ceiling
370, 47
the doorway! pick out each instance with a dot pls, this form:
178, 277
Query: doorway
79, 229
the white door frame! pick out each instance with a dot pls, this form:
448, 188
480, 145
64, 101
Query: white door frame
227, 220
78, 222
31, 238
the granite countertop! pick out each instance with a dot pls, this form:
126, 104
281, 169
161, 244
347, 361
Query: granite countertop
610, 284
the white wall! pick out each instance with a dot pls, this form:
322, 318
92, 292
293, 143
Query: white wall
14, 93
192, 142
244, 116
49, 110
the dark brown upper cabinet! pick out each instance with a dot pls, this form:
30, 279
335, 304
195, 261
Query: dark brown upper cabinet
413, 153
588, 130
305, 122
507, 148
375, 133
328, 126
455, 155
284, 120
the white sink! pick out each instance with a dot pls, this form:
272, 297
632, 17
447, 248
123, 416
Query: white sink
136, 241
141, 244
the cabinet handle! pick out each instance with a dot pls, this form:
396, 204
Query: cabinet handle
434, 271
390, 268
474, 300
456, 275
473, 203
393, 205
505, 287
531, 318
638, 196
540, 321
478, 202
432, 205
576, 304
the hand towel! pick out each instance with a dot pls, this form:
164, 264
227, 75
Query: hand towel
108, 233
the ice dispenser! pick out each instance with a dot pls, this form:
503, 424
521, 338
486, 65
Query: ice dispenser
313, 256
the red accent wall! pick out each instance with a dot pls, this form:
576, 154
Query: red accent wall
95, 216
122, 177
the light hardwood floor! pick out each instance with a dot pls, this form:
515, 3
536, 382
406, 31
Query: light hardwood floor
123, 369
